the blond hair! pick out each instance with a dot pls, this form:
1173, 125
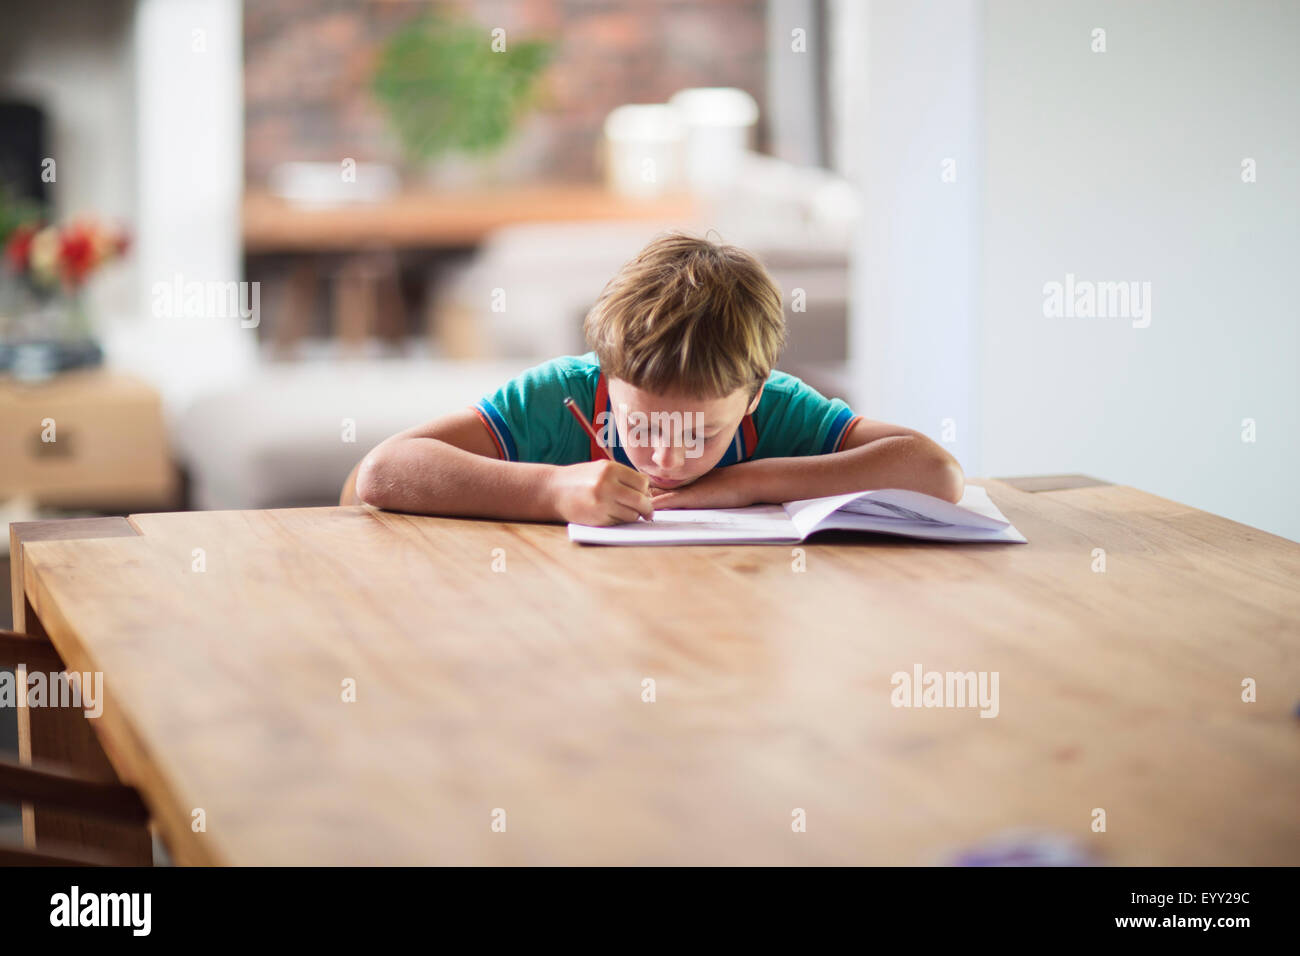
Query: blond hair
689, 316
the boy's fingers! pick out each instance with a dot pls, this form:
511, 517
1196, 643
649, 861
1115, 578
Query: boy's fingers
640, 503
634, 479
624, 514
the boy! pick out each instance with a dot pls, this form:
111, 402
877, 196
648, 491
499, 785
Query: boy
680, 387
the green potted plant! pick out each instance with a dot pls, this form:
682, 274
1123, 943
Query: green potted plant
454, 90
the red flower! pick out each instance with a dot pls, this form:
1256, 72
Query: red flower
76, 253
19, 247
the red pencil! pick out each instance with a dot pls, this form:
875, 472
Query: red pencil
572, 406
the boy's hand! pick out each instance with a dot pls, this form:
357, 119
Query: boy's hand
719, 488
601, 493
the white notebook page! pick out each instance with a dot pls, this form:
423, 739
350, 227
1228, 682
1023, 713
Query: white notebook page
892, 511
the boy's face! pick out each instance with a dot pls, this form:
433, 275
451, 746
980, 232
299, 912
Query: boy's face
675, 439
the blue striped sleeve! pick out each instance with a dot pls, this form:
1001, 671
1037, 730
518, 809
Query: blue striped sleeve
526, 416
839, 428
497, 427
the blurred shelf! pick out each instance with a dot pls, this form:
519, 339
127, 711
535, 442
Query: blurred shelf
439, 220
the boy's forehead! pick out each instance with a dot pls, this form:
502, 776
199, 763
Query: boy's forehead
647, 400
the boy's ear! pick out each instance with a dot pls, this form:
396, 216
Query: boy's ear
754, 404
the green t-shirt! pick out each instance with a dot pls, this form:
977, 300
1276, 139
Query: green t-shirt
528, 421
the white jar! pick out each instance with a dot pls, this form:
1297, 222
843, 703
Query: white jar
643, 150
719, 124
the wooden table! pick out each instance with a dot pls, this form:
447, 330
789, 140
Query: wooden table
498, 667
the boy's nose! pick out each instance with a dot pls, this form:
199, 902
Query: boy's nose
668, 456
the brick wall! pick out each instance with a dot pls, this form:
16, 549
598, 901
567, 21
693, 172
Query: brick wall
307, 66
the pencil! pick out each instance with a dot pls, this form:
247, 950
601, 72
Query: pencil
572, 406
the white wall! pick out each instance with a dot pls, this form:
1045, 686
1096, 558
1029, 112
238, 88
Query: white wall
914, 322
1115, 166
1126, 165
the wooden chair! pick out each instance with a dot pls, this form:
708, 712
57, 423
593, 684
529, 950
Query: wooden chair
53, 786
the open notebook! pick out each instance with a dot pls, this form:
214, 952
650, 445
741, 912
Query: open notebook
892, 511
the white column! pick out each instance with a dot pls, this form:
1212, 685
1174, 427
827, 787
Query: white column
189, 154
793, 123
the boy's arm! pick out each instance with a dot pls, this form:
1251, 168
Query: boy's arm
873, 455
450, 467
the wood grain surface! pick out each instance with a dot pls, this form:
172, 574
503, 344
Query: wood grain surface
520, 689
